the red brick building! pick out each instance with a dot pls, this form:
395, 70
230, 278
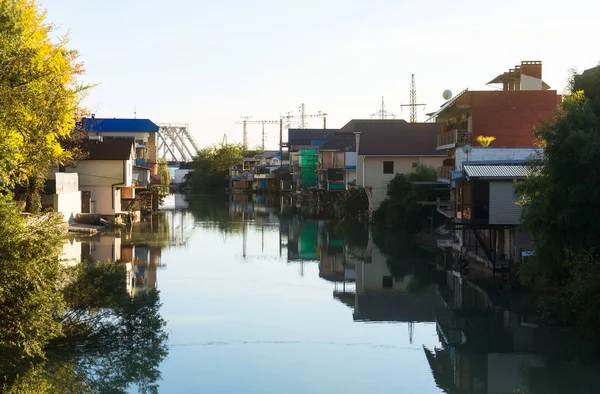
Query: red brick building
510, 115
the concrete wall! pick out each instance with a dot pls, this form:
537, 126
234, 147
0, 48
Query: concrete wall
67, 199
491, 154
530, 83
375, 178
503, 207
102, 199
102, 172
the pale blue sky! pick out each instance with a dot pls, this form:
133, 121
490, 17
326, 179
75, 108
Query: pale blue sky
208, 63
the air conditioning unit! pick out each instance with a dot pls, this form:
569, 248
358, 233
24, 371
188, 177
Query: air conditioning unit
95, 138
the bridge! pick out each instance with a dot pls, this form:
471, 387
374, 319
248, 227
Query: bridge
175, 143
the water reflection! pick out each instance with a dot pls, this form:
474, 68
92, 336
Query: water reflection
279, 289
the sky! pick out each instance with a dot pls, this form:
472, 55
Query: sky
208, 63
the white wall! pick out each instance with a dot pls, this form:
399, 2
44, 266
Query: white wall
67, 199
350, 159
102, 199
375, 177
494, 154
530, 83
98, 172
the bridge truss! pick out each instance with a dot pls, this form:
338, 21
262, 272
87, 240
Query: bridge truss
175, 143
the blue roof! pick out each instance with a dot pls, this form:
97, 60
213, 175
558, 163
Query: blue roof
120, 125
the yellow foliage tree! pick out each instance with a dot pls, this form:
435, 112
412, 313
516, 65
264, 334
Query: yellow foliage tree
39, 94
485, 141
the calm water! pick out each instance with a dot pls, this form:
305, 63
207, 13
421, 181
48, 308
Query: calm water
257, 302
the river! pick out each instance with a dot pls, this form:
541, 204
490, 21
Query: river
257, 301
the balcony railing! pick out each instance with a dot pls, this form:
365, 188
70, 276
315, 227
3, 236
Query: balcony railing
445, 172
456, 137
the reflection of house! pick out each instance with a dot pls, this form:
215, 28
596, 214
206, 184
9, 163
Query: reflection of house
303, 239
389, 147
381, 297
106, 176
486, 348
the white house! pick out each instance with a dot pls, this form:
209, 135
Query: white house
386, 148
106, 176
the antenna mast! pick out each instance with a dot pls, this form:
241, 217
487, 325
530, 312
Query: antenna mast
245, 137
413, 100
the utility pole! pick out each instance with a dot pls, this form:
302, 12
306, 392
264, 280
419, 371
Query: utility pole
382, 113
302, 116
281, 141
263, 136
413, 100
245, 136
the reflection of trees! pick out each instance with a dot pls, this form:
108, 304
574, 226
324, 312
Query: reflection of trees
153, 230
212, 212
111, 340
407, 255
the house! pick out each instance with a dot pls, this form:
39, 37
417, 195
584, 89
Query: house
106, 177
488, 214
509, 115
389, 147
144, 132
337, 163
303, 152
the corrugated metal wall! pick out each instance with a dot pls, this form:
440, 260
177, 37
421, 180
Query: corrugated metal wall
503, 209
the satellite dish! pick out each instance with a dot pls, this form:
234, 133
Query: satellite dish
467, 149
447, 94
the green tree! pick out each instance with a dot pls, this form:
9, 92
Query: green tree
401, 210
560, 196
560, 200
30, 274
38, 98
211, 166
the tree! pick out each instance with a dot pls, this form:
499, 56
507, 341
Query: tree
38, 98
401, 210
30, 276
211, 166
560, 207
560, 197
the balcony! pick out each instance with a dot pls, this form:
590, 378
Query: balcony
445, 172
453, 138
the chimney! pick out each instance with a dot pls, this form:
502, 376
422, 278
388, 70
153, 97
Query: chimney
532, 69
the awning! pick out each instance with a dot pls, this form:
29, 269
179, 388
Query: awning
497, 172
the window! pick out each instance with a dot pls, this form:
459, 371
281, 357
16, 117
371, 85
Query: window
388, 167
387, 282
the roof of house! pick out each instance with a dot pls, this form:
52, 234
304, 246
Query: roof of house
114, 149
304, 137
362, 125
119, 125
400, 139
496, 171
